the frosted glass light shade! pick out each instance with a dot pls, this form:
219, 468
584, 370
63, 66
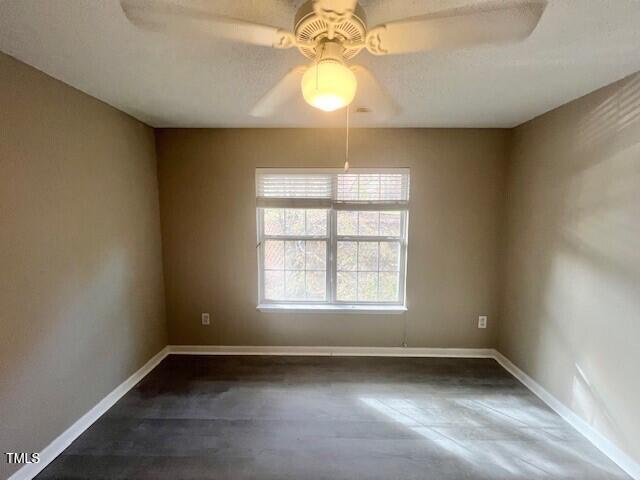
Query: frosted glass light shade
329, 85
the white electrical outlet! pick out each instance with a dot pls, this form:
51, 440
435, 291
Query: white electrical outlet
482, 321
205, 319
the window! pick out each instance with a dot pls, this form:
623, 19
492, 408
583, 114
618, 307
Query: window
332, 239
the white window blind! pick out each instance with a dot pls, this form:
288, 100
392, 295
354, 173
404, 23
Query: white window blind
362, 189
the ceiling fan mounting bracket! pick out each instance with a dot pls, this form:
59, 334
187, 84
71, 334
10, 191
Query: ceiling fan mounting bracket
285, 40
374, 42
312, 29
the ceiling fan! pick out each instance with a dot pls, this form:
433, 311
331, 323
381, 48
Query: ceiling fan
332, 32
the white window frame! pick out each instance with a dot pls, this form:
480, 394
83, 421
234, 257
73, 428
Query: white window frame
402, 240
262, 237
331, 303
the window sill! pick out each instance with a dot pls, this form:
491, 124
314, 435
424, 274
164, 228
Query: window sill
365, 309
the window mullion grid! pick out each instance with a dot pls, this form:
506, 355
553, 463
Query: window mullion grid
378, 265
260, 247
263, 238
378, 240
368, 238
358, 265
332, 255
402, 267
295, 237
304, 264
331, 240
284, 267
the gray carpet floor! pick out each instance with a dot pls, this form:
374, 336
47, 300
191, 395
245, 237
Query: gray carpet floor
268, 417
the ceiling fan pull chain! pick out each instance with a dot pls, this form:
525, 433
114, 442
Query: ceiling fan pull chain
318, 58
346, 153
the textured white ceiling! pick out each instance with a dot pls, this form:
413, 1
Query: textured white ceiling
579, 46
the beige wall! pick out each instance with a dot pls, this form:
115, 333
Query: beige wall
81, 284
571, 315
81, 295
207, 195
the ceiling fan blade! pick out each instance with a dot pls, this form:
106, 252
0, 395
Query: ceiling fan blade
334, 11
280, 94
170, 16
459, 28
372, 95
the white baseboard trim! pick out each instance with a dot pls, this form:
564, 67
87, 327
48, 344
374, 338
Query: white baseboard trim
333, 351
74, 431
624, 461
57, 446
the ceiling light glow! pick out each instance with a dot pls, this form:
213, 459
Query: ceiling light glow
329, 85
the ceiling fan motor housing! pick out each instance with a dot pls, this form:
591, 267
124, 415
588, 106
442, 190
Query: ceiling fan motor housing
329, 51
310, 28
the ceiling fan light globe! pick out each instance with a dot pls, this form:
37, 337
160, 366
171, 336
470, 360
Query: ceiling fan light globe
329, 85
328, 103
